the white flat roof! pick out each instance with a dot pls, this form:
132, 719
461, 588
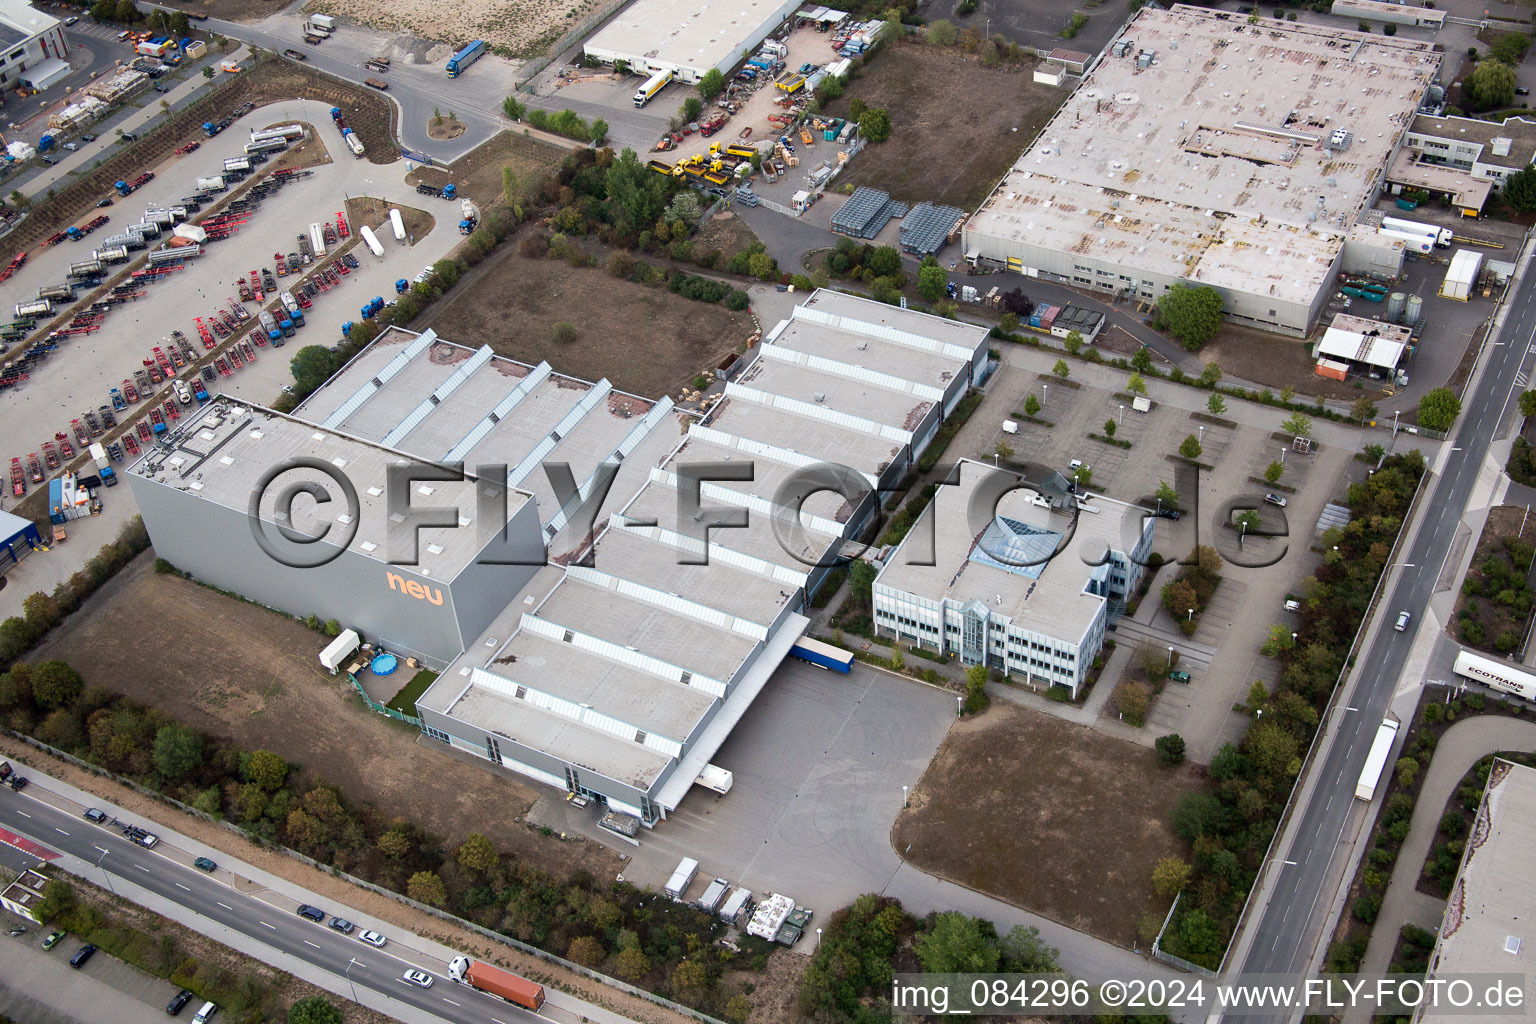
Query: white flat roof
1213, 164
697, 34
1359, 340
1046, 597
24, 19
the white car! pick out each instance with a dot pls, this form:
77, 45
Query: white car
373, 939
421, 979
1402, 621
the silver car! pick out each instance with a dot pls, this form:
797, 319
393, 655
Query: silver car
373, 939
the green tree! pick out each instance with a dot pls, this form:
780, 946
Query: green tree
426, 887
1170, 875
712, 84
1023, 951
1003, 450
1142, 360
1210, 375
1109, 427
638, 191
1061, 369
513, 108
266, 770
1274, 471
586, 950
1363, 411
1407, 771
1510, 48
690, 980
875, 124
312, 367
1136, 386
564, 332
1192, 315
931, 280
177, 751
1491, 84
1190, 447
861, 581
942, 33
692, 108
511, 190
599, 132
1216, 404
958, 944
55, 684
1438, 409
1166, 495
104, 10
1008, 323
1528, 403
477, 854
208, 72
58, 899
1298, 424
1520, 191
180, 23
314, 1010
1170, 749
632, 964
1031, 406
1073, 343
126, 12
883, 261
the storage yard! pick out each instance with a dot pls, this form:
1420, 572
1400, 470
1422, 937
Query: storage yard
522, 28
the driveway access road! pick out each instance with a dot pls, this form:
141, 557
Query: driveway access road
1287, 924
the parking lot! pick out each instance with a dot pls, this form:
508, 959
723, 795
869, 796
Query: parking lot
819, 763
78, 375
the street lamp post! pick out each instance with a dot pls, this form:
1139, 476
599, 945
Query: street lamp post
104, 872
1122, 415
1045, 390
348, 975
1170, 656
1283, 450
959, 705
904, 802
1394, 424
1191, 616
818, 938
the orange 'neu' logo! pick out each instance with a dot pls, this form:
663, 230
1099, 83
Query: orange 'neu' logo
414, 589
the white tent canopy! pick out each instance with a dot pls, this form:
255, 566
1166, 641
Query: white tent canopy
339, 650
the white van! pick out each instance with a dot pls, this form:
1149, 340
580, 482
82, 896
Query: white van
206, 1012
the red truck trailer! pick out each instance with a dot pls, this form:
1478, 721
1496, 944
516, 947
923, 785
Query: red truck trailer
525, 993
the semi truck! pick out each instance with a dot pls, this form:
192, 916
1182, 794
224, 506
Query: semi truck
681, 878
354, 143
237, 165
527, 994
652, 86
822, 655
289, 132
1376, 760
86, 268
111, 254
1443, 236
40, 308
1421, 242
265, 146
459, 62
56, 292
211, 184
371, 240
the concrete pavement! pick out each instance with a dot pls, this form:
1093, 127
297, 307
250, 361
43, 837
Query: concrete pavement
38, 987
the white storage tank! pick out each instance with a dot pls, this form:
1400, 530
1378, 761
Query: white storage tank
398, 223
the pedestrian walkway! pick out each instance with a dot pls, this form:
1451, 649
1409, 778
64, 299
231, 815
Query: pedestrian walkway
1462, 746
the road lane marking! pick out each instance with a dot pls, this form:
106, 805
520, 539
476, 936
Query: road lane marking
60, 831
265, 925
495, 1021
24, 814
226, 906
308, 943
142, 868
180, 886
450, 1002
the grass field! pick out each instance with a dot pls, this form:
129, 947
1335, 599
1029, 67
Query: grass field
1047, 815
955, 126
237, 669
405, 701
647, 341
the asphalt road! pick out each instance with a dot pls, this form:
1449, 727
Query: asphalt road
1297, 908
271, 920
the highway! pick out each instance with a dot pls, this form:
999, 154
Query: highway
266, 916
1285, 928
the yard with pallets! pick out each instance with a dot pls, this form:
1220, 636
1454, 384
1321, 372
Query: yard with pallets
646, 340
956, 126
1051, 816
233, 668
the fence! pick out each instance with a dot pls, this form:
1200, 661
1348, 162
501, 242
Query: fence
1158, 953
571, 38
382, 709
443, 915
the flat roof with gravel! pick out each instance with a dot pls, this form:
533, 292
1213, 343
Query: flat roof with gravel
1218, 161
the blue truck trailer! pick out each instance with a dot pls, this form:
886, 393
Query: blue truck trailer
465, 57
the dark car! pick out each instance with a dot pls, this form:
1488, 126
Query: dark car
96, 816
1179, 677
204, 864
87, 138
82, 954
313, 913
17, 782
178, 1001
1522, 91
342, 925
163, 88
1168, 513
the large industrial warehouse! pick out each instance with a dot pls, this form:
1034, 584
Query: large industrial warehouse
687, 37
618, 669
1208, 150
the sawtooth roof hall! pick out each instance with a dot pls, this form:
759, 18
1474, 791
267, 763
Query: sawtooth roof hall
619, 668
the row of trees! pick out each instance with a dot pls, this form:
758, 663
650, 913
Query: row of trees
1229, 827
667, 946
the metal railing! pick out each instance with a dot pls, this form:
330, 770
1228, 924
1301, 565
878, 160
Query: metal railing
383, 709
